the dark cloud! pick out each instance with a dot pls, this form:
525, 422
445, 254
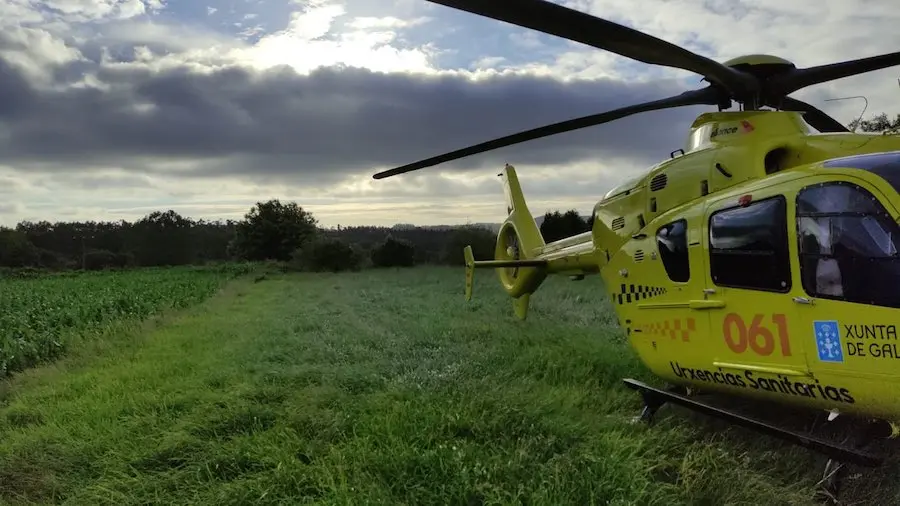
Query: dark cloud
324, 125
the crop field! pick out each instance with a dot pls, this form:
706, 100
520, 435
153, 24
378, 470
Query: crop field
38, 317
375, 387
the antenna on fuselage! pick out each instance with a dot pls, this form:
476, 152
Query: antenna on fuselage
859, 119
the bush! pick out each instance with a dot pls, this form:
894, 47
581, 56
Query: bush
53, 260
394, 253
326, 254
16, 250
100, 259
481, 239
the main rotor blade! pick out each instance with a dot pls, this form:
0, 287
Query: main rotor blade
578, 26
818, 119
705, 96
796, 79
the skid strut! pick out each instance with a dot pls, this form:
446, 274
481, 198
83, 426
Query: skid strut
654, 398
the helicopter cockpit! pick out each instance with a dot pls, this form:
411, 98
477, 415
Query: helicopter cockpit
849, 242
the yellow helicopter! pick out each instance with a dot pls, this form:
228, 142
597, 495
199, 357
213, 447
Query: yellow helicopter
759, 260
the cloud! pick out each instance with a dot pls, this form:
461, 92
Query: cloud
387, 22
312, 127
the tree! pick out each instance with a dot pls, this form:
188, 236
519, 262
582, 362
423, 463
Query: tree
98, 259
160, 238
327, 254
878, 123
558, 225
273, 231
481, 239
394, 253
163, 238
16, 250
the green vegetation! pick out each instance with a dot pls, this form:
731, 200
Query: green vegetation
40, 318
271, 230
376, 387
878, 123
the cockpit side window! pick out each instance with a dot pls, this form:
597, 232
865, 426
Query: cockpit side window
848, 245
671, 240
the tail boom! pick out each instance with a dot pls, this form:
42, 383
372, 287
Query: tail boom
576, 254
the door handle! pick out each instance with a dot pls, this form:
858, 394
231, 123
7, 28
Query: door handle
706, 304
803, 300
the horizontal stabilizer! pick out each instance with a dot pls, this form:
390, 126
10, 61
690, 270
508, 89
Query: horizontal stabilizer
472, 264
508, 263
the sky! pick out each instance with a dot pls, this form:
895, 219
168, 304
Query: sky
112, 109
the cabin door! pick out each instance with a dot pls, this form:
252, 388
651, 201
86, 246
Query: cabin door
748, 291
849, 301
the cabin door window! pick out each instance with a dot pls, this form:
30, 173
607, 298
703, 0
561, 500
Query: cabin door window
748, 246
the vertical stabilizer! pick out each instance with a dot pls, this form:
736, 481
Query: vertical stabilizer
518, 243
519, 239
530, 239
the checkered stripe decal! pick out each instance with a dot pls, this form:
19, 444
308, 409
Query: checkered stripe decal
634, 293
672, 329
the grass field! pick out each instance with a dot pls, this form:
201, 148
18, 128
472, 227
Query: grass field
379, 387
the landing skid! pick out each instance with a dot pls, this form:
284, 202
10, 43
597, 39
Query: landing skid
654, 398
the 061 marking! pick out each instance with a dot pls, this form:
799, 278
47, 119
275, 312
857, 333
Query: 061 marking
757, 336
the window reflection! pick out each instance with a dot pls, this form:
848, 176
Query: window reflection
749, 246
848, 245
884, 165
749, 228
671, 241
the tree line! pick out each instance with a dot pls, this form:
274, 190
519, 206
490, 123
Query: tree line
273, 230
878, 123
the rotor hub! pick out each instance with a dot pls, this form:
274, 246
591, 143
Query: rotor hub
758, 59
761, 66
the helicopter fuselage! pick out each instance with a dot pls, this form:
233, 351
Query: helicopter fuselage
784, 287
762, 261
